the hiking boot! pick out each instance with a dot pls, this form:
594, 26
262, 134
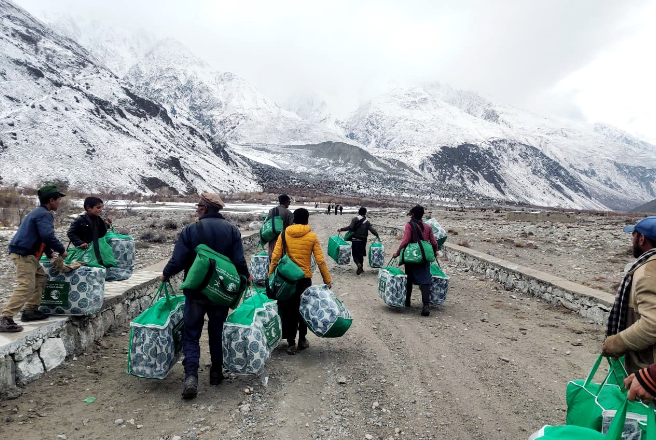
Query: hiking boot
33, 315
7, 325
190, 389
360, 270
425, 311
303, 344
291, 346
216, 377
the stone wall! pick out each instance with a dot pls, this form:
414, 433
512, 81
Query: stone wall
590, 303
26, 356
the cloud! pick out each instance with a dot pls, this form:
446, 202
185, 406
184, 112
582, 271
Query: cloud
514, 51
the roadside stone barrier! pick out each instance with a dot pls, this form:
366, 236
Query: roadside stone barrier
44, 345
590, 303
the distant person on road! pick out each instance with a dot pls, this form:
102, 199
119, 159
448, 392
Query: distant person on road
284, 212
330, 207
340, 209
360, 225
631, 330
90, 226
336, 206
418, 273
35, 236
213, 230
300, 244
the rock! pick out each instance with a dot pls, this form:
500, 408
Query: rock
369, 436
85, 422
139, 426
176, 437
192, 436
245, 408
29, 369
118, 422
62, 437
341, 379
52, 353
504, 359
375, 405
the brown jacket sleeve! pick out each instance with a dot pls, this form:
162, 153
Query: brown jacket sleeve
642, 333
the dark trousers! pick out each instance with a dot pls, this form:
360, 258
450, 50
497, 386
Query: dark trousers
194, 318
290, 316
417, 274
358, 250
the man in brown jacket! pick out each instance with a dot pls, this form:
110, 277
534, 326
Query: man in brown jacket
632, 321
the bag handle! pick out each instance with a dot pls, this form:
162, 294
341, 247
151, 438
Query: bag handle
164, 287
617, 425
613, 364
393, 260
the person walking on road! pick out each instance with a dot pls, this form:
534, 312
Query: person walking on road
360, 226
300, 244
418, 273
213, 230
283, 211
35, 236
631, 330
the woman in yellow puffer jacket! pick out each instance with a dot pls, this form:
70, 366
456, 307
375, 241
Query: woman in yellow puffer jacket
300, 244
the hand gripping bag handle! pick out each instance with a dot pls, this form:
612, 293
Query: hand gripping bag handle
164, 287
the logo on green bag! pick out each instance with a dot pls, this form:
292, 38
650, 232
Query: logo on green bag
272, 331
56, 293
177, 336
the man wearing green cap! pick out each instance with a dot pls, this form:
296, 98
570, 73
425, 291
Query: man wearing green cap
35, 236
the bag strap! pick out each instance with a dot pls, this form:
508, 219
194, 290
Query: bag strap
276, 213
284, 247
201, 232
617, 425
359, 223
96, 246
164, 287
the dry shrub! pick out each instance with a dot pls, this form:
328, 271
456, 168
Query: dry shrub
153, 237
464, 243
519, 244
170, 224
452, 232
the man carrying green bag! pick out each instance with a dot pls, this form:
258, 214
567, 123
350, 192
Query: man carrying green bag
223, 238
156, 335
276, 221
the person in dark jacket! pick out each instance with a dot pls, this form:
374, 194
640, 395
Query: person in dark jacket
336, 207
35, 236
283, 211
89, 226
418, 273
341, 208
213, 230
360, 226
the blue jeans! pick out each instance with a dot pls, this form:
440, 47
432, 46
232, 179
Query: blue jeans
194, 319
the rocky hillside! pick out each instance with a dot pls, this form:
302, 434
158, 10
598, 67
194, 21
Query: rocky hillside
64, 117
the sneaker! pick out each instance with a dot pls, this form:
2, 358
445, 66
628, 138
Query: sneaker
360, 270
303, 344
216, 377
425, 311
33, 315
190, 389
7, 325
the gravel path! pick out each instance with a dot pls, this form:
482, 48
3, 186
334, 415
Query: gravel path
490, 364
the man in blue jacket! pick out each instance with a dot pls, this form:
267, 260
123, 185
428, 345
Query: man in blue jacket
225, 238
35, 236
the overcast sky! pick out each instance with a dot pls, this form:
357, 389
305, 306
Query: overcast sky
585, 59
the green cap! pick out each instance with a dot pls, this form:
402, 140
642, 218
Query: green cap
50, 189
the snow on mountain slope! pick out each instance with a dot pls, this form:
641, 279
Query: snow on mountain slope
589, 166
64, 117
113, 47
308, 105
222, 103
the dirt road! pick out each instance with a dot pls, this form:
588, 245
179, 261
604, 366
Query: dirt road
490, 364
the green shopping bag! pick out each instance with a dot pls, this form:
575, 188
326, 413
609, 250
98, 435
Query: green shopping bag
569, 432
98, 254
214, 275
376, 254
339, 250
111, 234
271, 228
417, 252
282, 282
156, 335
587, 400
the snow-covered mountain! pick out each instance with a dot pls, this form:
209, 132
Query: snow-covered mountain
307, 104
64, 117
221, 102
460, 138
116, 48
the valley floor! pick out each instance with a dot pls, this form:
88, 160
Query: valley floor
489, 364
